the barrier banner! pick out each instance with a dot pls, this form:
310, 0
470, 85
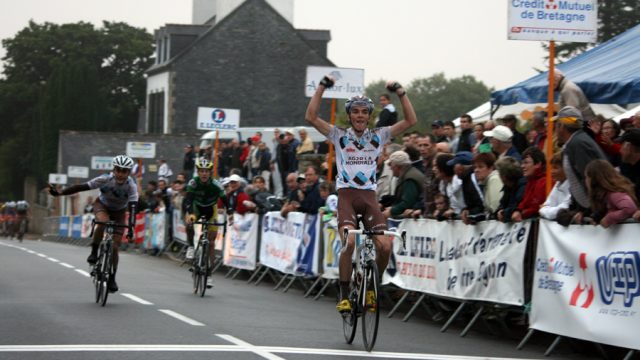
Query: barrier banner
154, 231
76, 226
179, 229
471, 262
242, 242
139, 228
87, 220
63, 229
586, 282
331, 249
281, 239
307, 258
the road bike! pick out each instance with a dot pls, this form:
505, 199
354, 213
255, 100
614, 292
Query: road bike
22, 228
102, 270
365, 287
201, 265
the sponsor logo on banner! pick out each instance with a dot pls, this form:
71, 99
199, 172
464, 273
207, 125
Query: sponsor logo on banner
586, 282
332, 247
242, 242
281, 240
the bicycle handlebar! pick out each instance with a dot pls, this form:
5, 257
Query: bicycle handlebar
402, 236
109, 224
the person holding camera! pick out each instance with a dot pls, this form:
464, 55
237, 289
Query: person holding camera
357, 148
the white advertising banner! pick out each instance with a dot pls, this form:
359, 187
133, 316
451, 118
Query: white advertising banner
139, 149
81, 172
218, 119
349, 82
332, 247
545, 20
242, 242
586, 282
281, 239
471, 262
87, 220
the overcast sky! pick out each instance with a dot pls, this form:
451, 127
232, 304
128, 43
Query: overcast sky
400, 39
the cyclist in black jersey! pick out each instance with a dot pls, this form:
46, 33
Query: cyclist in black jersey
202, 198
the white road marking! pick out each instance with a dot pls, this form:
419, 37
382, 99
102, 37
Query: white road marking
137, 299
53, 259
254, 349
67, 265
83, 272
237, 348
41, 255
181, 317
31, 251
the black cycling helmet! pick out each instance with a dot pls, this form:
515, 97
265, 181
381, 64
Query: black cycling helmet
359, 100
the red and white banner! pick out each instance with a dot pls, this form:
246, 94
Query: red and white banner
586, 282
281, 239
241, 248
471, 262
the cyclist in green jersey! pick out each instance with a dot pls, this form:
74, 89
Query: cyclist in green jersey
202, 198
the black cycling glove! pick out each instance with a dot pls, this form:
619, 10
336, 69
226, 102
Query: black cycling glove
327, 82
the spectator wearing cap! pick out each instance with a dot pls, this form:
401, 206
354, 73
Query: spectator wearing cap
533, 169
236, 197
409, 185
467, 138
488, 180
189, 161
570, 94
579, 149
500, 139
471, 193
388, 115
519, 140
306, 144
630, 156
438, 131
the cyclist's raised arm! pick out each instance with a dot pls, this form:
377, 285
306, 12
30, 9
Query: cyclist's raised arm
70, 190
410, 118
314, 105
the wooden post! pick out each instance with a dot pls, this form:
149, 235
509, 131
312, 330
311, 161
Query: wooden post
550, 108
215, 154
331, 154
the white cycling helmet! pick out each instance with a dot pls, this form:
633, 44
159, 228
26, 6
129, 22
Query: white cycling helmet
123, 161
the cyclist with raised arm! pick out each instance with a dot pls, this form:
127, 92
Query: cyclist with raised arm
201, 200
357, 149
118, 191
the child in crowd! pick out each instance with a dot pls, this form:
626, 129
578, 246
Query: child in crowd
560, 197
612, 195
330, 207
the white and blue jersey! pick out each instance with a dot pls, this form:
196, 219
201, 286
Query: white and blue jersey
114, 196
356, 157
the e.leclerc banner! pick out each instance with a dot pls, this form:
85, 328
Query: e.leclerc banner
557, 20
470, 262
587, 283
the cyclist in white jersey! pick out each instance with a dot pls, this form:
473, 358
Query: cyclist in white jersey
118, 191
357, 149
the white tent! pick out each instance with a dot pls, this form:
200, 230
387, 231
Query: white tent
483, 112
629, 113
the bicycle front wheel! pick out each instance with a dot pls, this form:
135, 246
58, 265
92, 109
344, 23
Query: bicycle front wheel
204, 270
370, 308
195, 270
103, 272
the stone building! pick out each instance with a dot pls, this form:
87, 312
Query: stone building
247, 55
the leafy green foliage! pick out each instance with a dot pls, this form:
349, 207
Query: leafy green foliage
66, 77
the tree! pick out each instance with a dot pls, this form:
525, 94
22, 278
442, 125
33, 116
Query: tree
614, 18
71, 77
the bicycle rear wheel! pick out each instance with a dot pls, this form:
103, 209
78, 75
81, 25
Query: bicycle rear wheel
371, 310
